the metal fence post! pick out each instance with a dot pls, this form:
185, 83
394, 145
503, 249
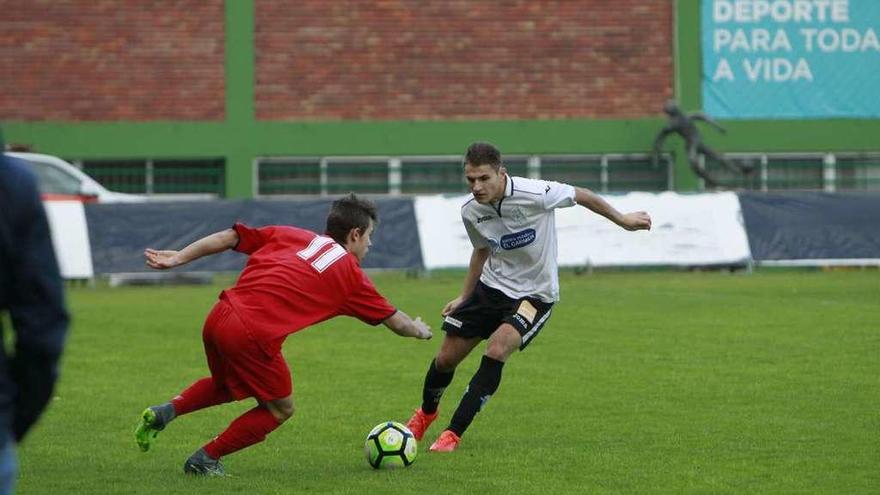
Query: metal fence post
765, 174
323, 180
148, 177
533, 167
395, 176
255, 171
829, 173
603, 173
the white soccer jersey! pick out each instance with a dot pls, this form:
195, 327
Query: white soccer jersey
520, 230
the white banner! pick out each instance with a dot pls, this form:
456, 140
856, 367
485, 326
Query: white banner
70, 237
688, 230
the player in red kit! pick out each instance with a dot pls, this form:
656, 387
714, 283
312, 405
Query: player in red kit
293, 279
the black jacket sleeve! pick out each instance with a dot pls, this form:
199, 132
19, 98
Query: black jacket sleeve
35, 299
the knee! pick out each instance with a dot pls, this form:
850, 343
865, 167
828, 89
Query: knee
282, 409
287, 410
504, 342
444, 363
500, 351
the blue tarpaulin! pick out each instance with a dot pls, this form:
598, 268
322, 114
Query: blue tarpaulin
119, 233
803, 226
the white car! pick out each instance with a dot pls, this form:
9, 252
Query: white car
59, 180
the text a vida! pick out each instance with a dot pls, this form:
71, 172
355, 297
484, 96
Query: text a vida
783, 69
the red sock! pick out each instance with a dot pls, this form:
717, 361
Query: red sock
201, 394
248, 429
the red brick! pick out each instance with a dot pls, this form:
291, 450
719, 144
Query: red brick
461, 60
88, 60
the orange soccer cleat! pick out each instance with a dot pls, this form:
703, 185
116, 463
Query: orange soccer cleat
420, 421
446, 442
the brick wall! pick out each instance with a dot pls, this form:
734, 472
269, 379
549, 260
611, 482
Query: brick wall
91, 60
99, 60
409, 59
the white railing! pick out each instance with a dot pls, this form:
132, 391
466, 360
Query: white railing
395, 175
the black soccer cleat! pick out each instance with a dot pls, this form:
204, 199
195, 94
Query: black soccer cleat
201, 464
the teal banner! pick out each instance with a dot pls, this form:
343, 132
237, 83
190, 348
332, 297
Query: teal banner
791, 59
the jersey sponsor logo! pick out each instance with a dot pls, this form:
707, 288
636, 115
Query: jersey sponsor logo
485, 218
452, 321
518, 239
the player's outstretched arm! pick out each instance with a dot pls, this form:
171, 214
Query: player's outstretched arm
212, 244
401, 324
637, 220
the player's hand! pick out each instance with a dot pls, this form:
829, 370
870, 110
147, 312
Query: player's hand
451, 305
424, 331
162, 260
638, 220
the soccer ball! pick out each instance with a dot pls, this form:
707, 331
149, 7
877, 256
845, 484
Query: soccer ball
390, 445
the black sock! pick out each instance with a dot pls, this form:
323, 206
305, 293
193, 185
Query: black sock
484, 383
435, 384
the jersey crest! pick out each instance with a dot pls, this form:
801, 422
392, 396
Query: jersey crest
517, 215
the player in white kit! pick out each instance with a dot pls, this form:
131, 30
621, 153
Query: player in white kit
511, 283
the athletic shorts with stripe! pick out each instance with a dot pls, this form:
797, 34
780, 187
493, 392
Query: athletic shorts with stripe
486, 309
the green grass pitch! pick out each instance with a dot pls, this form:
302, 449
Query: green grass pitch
660, 382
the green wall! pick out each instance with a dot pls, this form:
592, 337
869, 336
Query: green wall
240, 138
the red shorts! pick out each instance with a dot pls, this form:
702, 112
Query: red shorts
238, 362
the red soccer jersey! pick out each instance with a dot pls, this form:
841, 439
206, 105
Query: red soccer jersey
295, 278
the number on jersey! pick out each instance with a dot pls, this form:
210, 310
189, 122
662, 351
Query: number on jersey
327, 258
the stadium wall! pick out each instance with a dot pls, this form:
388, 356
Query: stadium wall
175, 97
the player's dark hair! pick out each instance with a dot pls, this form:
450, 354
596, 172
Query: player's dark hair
349, 212
481, 153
